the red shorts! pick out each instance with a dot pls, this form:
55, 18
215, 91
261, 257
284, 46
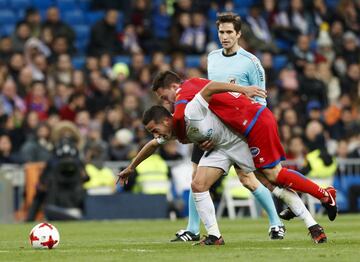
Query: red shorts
264, 142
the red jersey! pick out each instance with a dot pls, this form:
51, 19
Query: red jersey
225, 105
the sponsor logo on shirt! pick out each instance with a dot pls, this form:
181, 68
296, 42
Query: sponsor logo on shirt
254, 151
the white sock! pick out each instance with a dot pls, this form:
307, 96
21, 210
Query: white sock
206, 210
296, 205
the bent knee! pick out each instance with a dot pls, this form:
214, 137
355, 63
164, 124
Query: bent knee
197, 187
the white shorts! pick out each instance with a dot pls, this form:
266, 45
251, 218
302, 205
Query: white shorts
222, 158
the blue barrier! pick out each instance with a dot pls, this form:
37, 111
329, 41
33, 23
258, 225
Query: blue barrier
126, 206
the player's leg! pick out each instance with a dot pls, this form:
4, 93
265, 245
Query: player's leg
263, 196
296, 207
296, 181
265, 145
205, 177
192, 231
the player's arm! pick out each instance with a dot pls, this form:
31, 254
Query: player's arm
256, 74
144, 153
214, 87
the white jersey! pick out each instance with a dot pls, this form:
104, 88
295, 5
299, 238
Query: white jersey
202, 124
230, 148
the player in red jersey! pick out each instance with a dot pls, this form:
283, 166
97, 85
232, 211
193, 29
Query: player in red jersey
249, 119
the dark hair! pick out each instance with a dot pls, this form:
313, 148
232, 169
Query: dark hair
229, 17
156, 113
165, 79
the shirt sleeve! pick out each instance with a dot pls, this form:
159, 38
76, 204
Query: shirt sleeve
196, 109
257, 78
179, 122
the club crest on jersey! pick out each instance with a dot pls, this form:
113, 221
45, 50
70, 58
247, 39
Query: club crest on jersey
209, 133
254, 151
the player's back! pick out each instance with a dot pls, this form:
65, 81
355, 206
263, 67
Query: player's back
202, 124
242, 68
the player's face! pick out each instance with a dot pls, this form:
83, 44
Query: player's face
167, 94
228, 36
161, 129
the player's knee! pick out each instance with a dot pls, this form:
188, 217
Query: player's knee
249, 182
198, 187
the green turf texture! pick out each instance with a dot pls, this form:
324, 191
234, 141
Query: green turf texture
140, 240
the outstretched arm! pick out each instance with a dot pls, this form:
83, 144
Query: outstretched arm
214, 87
144, 153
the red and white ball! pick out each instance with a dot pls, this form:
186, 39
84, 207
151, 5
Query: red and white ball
44, 235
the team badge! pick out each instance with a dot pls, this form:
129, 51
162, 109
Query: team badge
254, 151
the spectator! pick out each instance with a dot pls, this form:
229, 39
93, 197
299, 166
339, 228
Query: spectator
301, 53
140, 18
59, 28
37, 100
349, 15
350, 83
331, 82
122, 146
9, 98
351, 50
38, 149
75, 104
33, 20
24, 81
310, 87
63, 69
20, 36
16, 63
6, 154
103, 36
257, 33
6, 49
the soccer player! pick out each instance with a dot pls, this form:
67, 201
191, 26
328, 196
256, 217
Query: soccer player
248, 118
235, 65
186, 91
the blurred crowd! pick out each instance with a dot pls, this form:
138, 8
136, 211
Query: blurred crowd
314, 91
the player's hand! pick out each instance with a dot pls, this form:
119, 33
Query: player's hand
206, 145
252, 91
123, 176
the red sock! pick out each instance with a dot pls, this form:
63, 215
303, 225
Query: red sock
295, 180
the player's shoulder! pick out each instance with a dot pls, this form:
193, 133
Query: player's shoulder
215, 53
251, 58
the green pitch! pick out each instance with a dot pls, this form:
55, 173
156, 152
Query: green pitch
246, 240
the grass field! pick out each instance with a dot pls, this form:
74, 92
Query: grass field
246, 240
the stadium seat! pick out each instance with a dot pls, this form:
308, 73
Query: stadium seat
66, 5
192, 61
84, 4
235, 195
74, 17
81, 46
43, 4
93, 17
279, 62
283, 44
242, 11
122, 59
3, 4
23, 4
78, 62
7, 16
243, 3
82, 31
7, 29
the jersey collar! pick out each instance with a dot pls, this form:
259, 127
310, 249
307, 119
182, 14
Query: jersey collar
223, 53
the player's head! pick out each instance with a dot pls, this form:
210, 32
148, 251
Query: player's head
165, 85
158, 121
229, 29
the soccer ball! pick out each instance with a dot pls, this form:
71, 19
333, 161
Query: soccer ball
44, 235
